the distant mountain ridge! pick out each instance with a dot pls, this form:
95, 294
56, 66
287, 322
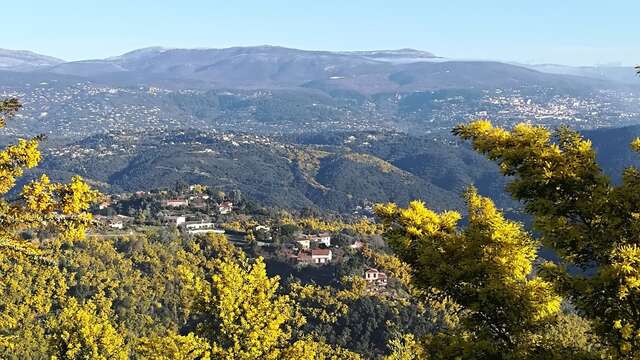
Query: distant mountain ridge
395, 56
272, 67
21, 60
622, 74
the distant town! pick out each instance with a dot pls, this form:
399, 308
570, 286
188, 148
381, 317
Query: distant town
81, 109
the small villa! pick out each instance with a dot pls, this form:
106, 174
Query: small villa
375, 277
315, 256
175, 203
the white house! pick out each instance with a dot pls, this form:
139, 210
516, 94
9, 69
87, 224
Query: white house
262, 228
315, 256
174, 220
118, 221
375, 277
225, 207
202, 227
323, 238
321, 256
175, 203
116, 224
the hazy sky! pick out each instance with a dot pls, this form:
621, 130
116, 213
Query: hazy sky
534, 31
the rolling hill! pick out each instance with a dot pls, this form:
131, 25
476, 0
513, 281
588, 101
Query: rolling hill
337, 172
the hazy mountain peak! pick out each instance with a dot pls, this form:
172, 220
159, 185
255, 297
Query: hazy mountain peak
622, 74
25, 60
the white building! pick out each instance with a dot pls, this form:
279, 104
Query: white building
174, 220
323, 238
175, 203
201, 227
116, 224
315, 256
225, 208
375, 277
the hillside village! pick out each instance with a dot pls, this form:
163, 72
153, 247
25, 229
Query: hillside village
194, 210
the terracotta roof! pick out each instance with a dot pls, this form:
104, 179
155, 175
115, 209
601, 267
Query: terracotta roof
320, 252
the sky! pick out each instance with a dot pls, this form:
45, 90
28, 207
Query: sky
567, 32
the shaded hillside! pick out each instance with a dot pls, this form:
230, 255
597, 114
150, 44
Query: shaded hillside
333, 171
613, 149
448, 166
356, 176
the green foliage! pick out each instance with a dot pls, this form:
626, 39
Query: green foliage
85, 332
293, 174
31, 286
241, 314
568, 337
587, 220
484, 268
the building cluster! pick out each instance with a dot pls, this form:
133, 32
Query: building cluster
83, 108
121, 144
194, 210
313, 249
543, 106
80, 109
191, 209
598, 109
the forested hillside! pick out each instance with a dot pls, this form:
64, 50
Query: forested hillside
337, 171
332, 171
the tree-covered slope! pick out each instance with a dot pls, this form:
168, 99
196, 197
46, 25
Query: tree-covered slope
337, 171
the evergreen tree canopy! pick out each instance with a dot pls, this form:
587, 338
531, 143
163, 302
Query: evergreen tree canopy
589, 221
484, 268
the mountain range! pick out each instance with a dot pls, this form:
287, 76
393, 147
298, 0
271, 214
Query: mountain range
261, 67
623, 74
